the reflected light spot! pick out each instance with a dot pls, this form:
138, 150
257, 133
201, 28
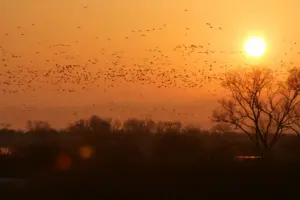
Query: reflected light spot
63, 161
5, 151
247, 157
85, 152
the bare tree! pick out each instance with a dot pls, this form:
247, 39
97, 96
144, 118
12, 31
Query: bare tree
38, 126
98, 124
139, 126
93, 124
259, 106
79, 125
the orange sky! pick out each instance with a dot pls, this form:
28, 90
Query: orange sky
56, 22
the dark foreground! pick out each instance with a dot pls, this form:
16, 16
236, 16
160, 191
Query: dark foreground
98, 161
236, 181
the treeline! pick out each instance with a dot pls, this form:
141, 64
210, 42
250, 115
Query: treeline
105, 142
99, 155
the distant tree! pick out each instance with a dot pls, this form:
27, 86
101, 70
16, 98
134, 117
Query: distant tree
169, 127
116, 125
93, 124
192, 130
98, 124
139, 126
151, 124
4, 126
142, 130
38, 126
293, 84
77, 126
133, 125
221, 128
259, 106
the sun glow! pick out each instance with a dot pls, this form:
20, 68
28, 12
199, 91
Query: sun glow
255, 46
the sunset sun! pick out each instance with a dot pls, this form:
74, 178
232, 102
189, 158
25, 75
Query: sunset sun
255, 46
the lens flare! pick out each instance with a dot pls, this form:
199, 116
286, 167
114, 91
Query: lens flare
63, 161
86, 152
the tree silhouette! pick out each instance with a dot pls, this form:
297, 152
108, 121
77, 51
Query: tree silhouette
169, 127
77, 126
221, 128
259, 106
38, 126
116, 125
139, 126
93, 124
97, 124
191, 130
4, 126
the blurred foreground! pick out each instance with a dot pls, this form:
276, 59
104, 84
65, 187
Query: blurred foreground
141, 159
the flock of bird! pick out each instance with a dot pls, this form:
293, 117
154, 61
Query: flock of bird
156, 69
